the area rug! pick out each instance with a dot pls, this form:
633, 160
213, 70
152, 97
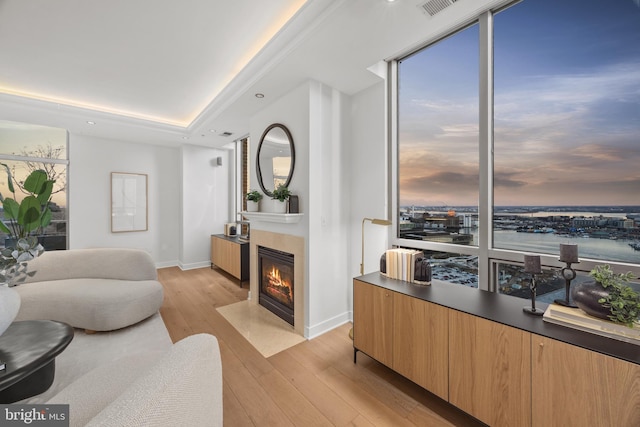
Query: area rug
266, 332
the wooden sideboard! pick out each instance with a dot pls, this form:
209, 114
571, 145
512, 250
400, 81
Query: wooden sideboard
231, 254
480, 352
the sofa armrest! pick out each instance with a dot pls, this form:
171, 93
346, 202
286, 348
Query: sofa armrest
183, 388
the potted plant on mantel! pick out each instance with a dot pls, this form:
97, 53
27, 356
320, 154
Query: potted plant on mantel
609, 297
253, 201
280, 196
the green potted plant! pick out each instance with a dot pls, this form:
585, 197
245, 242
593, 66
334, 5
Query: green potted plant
23, 221
280, 196
609, 297
253, 200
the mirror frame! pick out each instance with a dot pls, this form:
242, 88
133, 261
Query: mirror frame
293, 156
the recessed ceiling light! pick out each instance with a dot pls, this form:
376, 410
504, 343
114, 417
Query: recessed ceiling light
212, 130
259, 95
185, 137
91, 123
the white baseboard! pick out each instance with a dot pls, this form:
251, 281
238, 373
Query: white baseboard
166, 264
194, 265
324, 327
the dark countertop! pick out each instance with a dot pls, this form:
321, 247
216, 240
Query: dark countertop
235, 239
506, 310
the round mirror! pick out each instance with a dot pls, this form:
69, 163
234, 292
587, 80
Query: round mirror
276, 158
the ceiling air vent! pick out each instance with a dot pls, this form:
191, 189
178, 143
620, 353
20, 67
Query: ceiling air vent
226, 134
435, 6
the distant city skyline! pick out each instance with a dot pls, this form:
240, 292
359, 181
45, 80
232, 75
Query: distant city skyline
567, 109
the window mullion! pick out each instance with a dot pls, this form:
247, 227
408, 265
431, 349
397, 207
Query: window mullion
485, 203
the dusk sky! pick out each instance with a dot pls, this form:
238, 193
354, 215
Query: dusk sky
18, 137
567, 109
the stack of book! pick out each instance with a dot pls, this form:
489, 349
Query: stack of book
401, 263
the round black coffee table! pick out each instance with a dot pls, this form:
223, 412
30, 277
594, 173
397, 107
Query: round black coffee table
29, 349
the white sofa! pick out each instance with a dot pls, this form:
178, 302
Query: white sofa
181, 388
94, 289
131, 374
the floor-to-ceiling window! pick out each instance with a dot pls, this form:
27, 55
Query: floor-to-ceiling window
562, 81
25, 148
438, 151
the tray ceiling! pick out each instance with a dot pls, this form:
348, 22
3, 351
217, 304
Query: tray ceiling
162, 60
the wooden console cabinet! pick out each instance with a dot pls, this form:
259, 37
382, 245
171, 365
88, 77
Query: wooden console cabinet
406, 334
481, 353
489, 370
231, 255
573, 386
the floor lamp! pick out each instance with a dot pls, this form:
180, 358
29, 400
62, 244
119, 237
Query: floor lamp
375, 221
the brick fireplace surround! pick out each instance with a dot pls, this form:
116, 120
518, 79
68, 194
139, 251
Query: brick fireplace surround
285, 243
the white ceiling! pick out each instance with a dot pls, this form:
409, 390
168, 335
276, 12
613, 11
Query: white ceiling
160, 71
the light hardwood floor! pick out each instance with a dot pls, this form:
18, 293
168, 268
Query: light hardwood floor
314, 383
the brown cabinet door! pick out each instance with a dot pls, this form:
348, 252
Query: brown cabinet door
421, 343
490, 370
577, 387
372, 321
226, 255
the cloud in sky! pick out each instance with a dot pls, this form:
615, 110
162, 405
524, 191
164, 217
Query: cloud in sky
563, 134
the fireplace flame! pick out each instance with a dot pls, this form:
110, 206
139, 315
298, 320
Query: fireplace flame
279, 286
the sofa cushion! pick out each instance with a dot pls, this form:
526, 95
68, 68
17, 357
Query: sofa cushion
94, 304
184, 388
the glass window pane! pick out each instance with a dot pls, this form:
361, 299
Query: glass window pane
438, 140
27, 140
36, 147
55, 235
454, 268
567, 120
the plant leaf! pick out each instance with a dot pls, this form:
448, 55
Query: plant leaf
35, 182
29, 214
9, 178
11, 208
45, 194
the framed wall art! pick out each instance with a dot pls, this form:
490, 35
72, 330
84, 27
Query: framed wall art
128, 202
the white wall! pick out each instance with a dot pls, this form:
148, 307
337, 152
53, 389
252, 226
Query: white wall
329, 280
189, 197
207, 194
317, 117
368, 179
91, 161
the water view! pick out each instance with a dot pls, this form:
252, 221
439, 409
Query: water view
608, 233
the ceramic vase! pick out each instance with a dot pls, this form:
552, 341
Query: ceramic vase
586, 296
253, 206
278, 207
9, 306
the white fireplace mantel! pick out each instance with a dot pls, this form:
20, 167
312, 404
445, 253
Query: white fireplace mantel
272, 217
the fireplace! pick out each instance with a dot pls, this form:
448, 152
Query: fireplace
276, 282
